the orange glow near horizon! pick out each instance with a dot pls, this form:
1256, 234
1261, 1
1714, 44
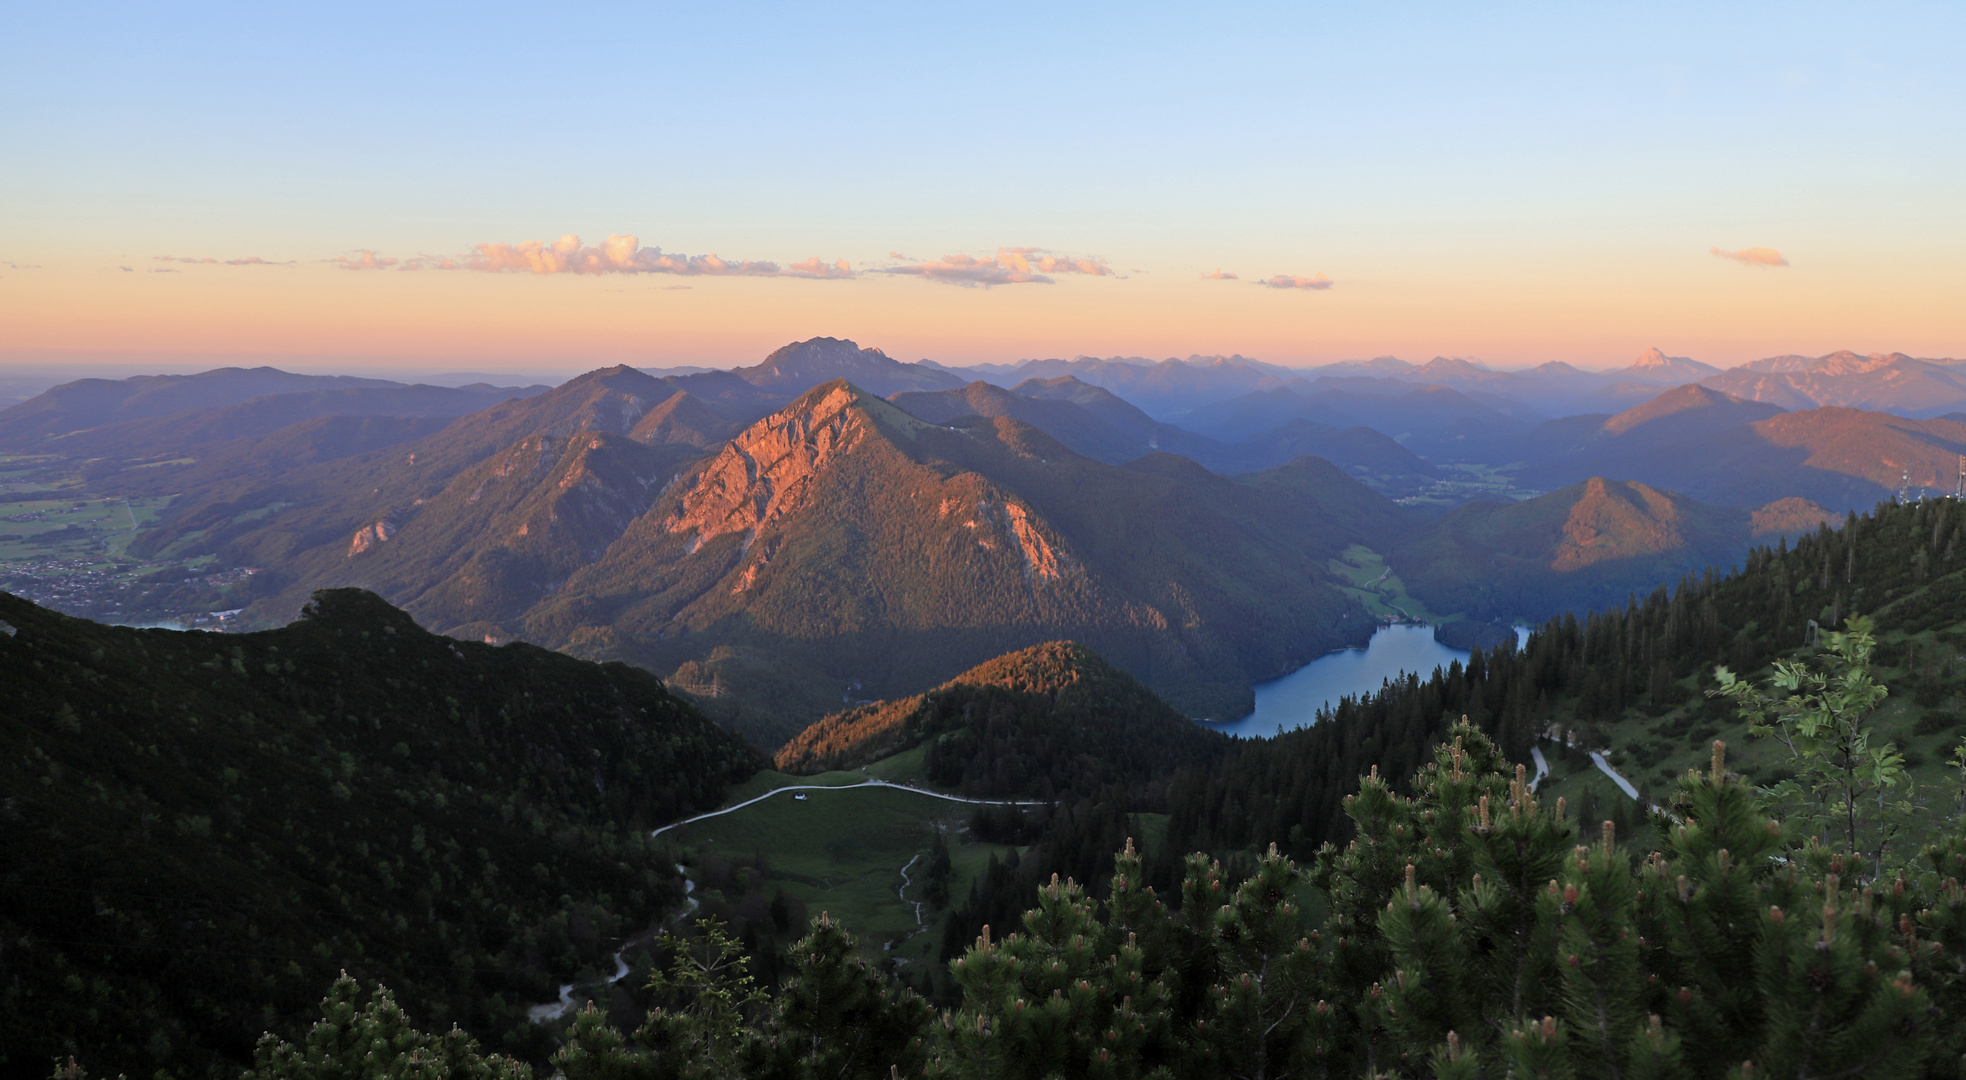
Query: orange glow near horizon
1707, 308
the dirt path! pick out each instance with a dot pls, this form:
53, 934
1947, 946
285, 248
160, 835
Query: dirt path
849, 787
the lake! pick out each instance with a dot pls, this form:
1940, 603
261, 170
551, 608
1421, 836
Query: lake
1293, 701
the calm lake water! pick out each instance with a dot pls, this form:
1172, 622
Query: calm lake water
1294, 700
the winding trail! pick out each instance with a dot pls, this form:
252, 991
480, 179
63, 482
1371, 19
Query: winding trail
1604, 767
902, 894
849, 787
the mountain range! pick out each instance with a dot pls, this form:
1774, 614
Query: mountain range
1170, 389
778, 547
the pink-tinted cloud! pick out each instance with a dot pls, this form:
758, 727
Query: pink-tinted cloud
1220, 275
813, 268
1009, 266
1296, 281
363, 259
626, 255
250, 260
1754, 256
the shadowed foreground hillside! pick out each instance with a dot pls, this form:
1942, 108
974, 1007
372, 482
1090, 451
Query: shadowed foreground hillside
1035, 723
199, 830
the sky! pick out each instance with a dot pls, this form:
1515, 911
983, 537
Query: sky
502, 186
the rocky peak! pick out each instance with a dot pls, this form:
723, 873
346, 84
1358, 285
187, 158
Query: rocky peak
808, 363
769, 470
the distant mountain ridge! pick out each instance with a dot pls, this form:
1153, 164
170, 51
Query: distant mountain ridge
92, 403
802, 365
1892, 382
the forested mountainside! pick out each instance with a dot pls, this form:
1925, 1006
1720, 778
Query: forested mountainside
1038, 723
1583, 548
1634, 677
1631, 680
1471, 929
200, 830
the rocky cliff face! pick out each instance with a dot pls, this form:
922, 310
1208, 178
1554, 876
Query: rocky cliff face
769, 471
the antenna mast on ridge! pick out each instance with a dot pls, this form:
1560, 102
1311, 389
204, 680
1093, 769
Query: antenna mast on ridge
1959, 492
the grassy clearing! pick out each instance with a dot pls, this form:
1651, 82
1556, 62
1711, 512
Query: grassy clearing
903, 768
1369, 580
843, 852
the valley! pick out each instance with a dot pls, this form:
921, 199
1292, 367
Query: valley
841, 542
927, 648
1205, 560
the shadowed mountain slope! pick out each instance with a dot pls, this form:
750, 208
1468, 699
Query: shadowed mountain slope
1095, 423
1845, 459
184, 432
1561, 452
1365, 455
1581, 548
88, 403
1166, 389
316, 509
1074, 426
684, 418
1434, 422
843, 541
1037, 723
1687, 410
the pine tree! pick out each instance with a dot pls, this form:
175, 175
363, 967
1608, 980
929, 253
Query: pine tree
356, 1042
837, 1017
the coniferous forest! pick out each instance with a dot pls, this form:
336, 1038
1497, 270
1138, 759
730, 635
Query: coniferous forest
1381, 894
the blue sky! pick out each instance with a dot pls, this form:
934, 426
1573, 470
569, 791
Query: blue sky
1465, 178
